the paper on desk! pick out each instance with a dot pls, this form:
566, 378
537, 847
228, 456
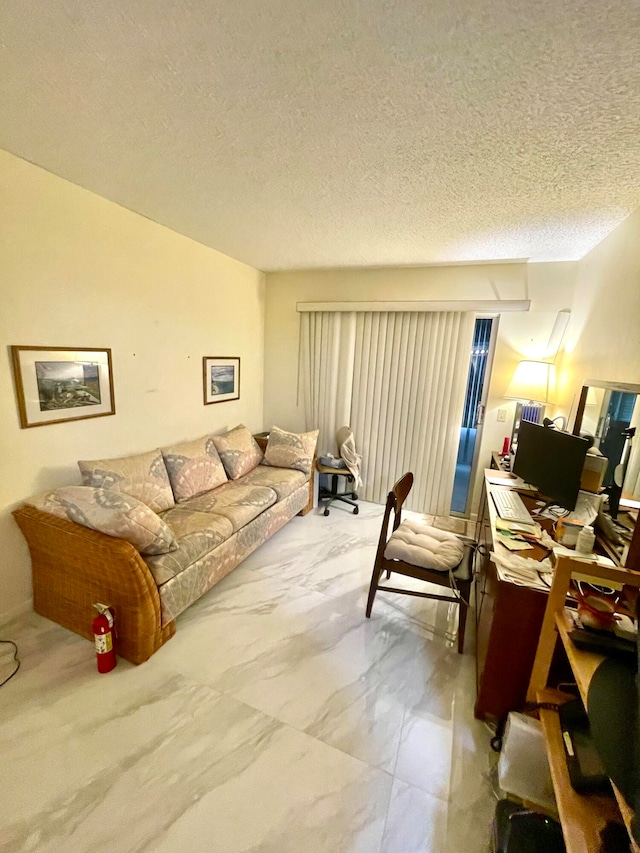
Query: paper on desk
587, 507
546, 541
585, 512
500, 478
588, 559
522, 571
532, 528
599, 559
511, 482
512, 543
512, 562
529, 582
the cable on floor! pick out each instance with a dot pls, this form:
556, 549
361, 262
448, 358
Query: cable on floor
15, 657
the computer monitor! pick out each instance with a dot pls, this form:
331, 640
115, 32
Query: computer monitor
552, 461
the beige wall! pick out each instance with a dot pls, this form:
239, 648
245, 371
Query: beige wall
549, 286
602, 338
79, 271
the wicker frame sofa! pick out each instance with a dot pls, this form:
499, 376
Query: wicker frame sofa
75, 566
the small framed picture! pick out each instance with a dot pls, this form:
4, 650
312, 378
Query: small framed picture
57, 384
221, 379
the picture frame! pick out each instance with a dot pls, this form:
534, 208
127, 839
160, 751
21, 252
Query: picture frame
59, 384
221, 377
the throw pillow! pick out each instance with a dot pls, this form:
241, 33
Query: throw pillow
291, 450
113, 513
143, 477
238, 451
194, 467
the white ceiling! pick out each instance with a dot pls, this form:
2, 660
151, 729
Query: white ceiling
317, 133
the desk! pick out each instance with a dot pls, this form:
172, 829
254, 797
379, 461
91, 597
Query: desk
518, 629
508, 623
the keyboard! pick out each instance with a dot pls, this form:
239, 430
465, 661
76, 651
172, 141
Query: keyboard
510, 506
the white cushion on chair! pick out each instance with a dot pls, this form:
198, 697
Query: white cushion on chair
421, 545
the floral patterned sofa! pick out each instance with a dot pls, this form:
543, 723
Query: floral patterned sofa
150, 534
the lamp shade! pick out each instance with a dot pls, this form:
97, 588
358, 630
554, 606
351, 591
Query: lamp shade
592, 397
533, 381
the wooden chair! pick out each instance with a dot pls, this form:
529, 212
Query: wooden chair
458, 579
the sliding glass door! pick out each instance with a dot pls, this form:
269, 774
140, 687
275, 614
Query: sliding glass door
473, 415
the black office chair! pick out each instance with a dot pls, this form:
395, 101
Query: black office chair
339, 468
330, 495
448, 564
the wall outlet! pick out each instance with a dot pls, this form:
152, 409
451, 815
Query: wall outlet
502, 415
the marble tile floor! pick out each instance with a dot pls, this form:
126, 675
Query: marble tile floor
278, 719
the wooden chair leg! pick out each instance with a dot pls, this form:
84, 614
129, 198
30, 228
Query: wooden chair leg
373, 588
462, 622
388, 574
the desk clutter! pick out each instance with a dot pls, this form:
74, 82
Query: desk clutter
523, 571
527, 551
554, 623
520, 566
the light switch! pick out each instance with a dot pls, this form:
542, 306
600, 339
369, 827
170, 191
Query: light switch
502, 415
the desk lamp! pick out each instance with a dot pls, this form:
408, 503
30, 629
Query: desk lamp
533, 385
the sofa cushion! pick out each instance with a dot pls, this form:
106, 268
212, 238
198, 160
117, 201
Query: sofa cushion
196, 534
187, 586
143, 477
283, 481
194, 467
110, 512
291, 450
236, 501
238, 450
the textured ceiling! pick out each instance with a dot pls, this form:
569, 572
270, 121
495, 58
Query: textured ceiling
298, 133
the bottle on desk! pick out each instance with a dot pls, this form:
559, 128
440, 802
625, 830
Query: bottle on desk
586, 540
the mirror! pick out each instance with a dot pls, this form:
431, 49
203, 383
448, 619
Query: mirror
605, 411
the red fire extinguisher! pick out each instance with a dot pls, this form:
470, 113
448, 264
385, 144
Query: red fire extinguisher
103, 634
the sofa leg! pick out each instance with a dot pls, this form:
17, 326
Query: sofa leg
309, 505
143, 648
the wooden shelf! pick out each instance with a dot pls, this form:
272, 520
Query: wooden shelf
582, 816
583, 665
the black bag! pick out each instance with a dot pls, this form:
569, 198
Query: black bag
520, 830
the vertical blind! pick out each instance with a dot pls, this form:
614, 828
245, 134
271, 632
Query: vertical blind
398, 379
327, 346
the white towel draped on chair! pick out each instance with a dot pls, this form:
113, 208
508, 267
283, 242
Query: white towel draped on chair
347, 448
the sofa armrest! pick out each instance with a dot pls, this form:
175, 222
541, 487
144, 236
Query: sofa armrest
312, 480
74, 567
